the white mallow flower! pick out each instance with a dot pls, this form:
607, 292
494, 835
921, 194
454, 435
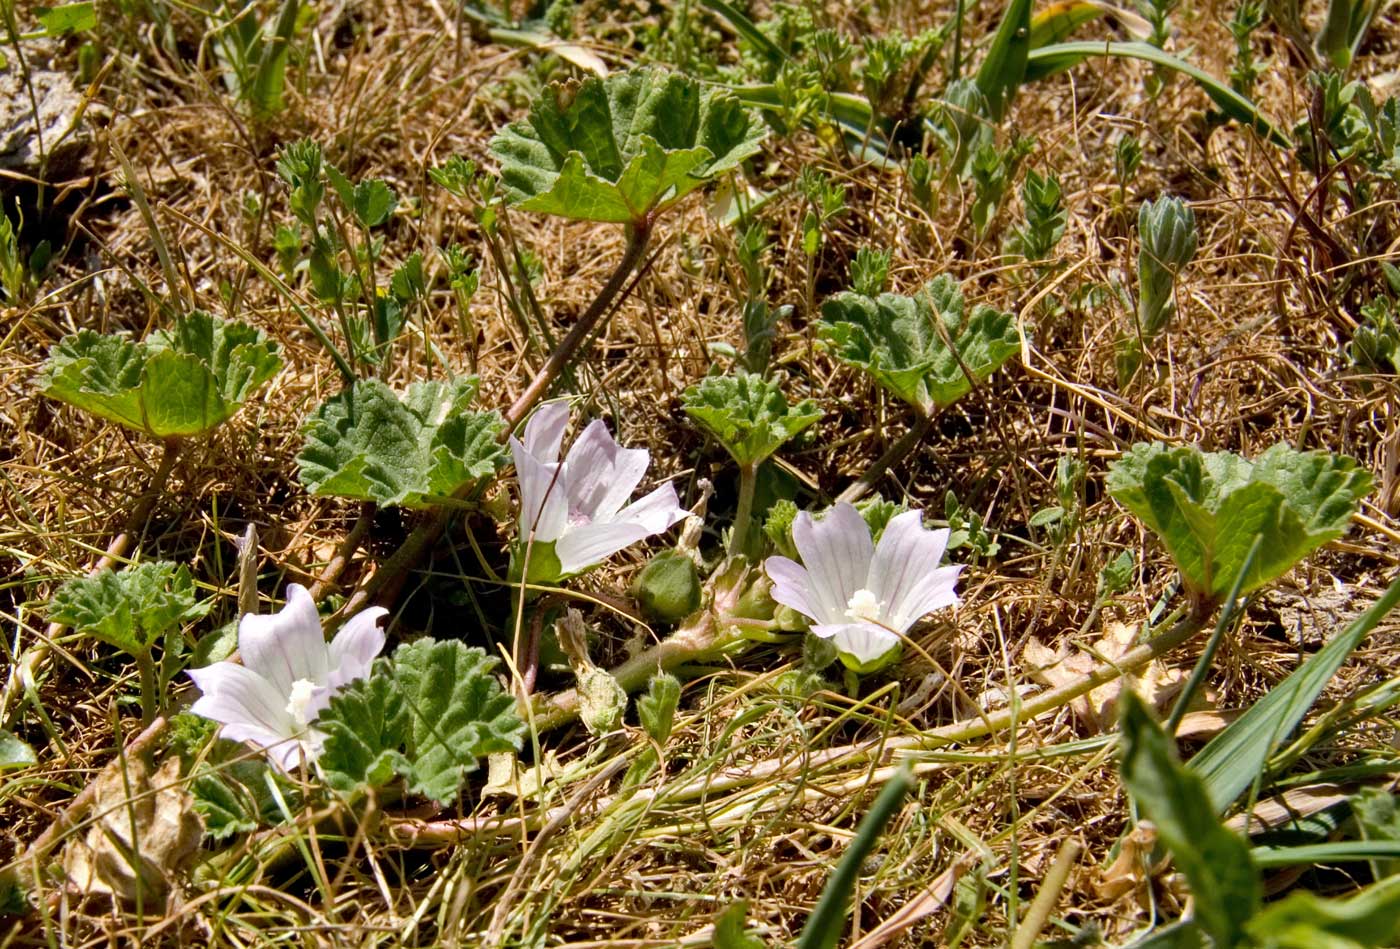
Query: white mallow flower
576, 505
861, 596
288, 675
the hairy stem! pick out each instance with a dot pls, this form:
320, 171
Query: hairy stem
146, 672
345, 552
638, 235
748, 481
893, 456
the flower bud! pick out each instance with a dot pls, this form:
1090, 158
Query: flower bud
668, 588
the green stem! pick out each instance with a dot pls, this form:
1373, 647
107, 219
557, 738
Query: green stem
1227, 618
638, 236
389, 578
748, 481
893, 456
146, 670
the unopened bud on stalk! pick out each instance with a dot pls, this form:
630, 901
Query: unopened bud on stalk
1167, 231
668, 588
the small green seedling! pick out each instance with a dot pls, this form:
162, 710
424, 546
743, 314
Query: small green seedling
134, 610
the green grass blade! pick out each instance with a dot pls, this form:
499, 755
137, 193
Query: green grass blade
824, 926
1339, 851
747, 29
1232, 759
1004, 68
270, 78
1058, 57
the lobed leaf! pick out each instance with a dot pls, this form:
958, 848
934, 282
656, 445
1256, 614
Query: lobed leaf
748, 414
368, 443
619, 148
458, 712
426, 716
130, 610
366, 727
179, 382
897, 339
1224, 881
1208, 508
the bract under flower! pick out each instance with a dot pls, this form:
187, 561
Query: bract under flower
288, 675
861, 596
576, 505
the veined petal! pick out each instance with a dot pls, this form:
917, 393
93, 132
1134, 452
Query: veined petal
865, 642
602, 474
792, 587
656, 511
235, 695
355, 646
285, 752
544, 432
905, 576
930, 592
543, 506
837, 552
590, 544
287, 645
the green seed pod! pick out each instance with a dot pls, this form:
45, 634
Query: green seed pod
602, 701
668, 588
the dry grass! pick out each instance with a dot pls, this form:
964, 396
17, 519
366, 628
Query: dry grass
762, 785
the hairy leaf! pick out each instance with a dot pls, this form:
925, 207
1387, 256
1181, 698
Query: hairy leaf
180, 382
368, 443
132, 609
427, 716
458, 714
1215, 861
897, 339
657, 709
748, 414
619, 148
366, 727
1208, 508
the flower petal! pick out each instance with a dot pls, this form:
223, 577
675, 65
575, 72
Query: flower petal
837, 552
602, 474
866, 642
590, 544
543, 505
544, 432
905, 576
288, 645
286, 753
792, 587
355, 646
234, 695
656, 511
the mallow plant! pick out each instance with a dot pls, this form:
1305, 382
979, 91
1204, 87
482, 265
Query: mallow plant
927, 350
423, 717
